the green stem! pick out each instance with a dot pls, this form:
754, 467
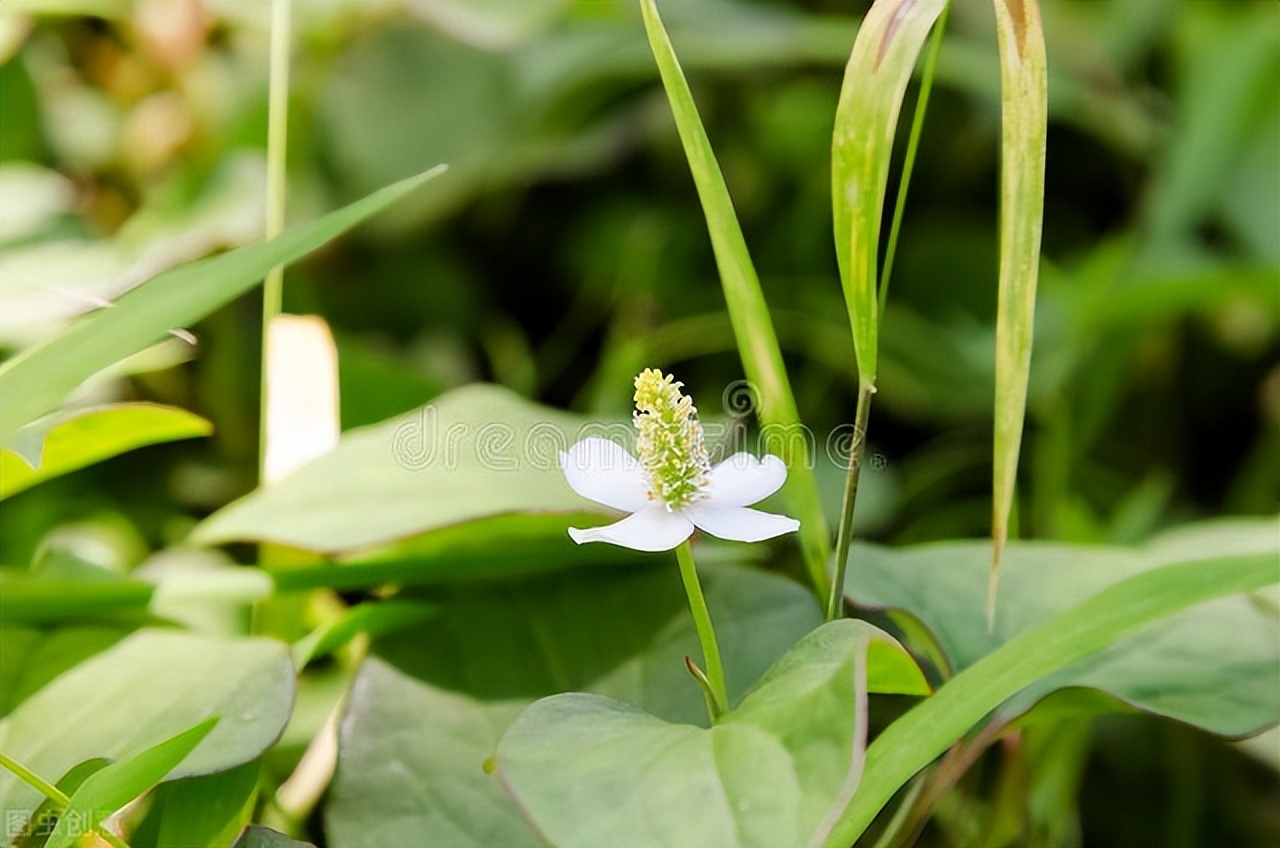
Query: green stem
913, 143
55, 795
702, 623
277, 146
835, 601
35, 781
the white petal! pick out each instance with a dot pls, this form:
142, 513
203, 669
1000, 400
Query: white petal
742, 479
738, 522
604, 472
654, 528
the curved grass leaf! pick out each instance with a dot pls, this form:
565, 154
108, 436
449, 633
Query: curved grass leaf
1213, 666
757, 342
925, 732
110, 788
1024, 100
35, 382
62, 443
875, 81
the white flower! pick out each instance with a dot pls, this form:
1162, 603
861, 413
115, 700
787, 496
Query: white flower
671, 489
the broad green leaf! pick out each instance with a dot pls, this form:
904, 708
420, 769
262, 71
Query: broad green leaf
1024, 129
141, 691
929, 728
257, 836
30, 658
34, 382
475, 452
590, 770
110, 788
1213, 665
875, 81
65, 442
757, 342
207, 810
430, 708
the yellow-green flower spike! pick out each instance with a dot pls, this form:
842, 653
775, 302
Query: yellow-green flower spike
669, 441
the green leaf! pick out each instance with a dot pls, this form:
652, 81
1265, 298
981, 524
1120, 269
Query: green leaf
875, 81
1024, 109
27, 597
35, 382
257, 836
757, 342
142, 691
429, 709
475, 452
110, 788
207, 810
590, 770
1212, 665
64, 442
928, 729
370, 617
41, 823
30, 658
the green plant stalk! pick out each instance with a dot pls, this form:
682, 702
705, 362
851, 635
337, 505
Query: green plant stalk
909, 161
835, 601
277, 149
55, 795
706, 632
1024, 130
748, 313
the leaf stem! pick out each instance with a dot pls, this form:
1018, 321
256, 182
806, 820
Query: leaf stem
909, 161
835, 601
55, 795
277, 147
706, 633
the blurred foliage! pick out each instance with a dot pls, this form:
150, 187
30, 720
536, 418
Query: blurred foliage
565, 251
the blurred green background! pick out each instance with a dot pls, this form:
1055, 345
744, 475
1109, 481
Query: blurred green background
565, 250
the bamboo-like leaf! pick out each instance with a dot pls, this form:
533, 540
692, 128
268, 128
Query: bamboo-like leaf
34, 382
875, 81
752, 327
1024, 108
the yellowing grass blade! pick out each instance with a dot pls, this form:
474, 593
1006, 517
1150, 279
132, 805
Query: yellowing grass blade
752, 327
875, 81
1024, 110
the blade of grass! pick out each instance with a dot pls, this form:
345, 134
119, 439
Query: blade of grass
1024, 109
875, 82
748, 313
35, 382
928, 729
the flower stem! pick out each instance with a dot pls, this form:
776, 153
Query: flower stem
706, 633
835, 601
277, 146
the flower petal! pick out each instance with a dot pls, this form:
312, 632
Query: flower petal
603, 471
738, 522
654, 528
742, 479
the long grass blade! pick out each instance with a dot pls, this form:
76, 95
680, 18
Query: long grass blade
748, 313
1024, 108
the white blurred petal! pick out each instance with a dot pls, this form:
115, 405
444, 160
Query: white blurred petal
742, 479
603, 471
738, 522
654, 528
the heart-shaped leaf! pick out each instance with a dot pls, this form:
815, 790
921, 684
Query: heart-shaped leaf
589, 770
